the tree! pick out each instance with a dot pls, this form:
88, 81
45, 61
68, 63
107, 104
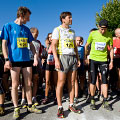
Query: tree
110, 12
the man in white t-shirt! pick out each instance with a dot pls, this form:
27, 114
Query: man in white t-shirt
66, 60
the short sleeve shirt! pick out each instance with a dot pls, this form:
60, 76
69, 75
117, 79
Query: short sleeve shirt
99, 45
18, 37
81, 52
66, 39
37, 46
116, 47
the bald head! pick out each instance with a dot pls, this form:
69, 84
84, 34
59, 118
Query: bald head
117, 32
79, 40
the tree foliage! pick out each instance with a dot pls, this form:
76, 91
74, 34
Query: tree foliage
110, 12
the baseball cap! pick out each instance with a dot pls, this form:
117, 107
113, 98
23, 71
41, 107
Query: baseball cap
103, 23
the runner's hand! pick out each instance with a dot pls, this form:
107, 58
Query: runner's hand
79, 63
35, 62
8, 65
57, 64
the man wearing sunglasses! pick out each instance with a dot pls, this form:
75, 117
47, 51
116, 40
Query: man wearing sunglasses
100, 40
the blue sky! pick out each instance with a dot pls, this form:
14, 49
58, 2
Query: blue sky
45, 14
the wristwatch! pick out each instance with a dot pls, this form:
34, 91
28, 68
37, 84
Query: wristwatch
6, 59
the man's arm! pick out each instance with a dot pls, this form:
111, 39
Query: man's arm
76, 51
86, 49
4, 48
86, 53
8, 64
111, 57
54, 49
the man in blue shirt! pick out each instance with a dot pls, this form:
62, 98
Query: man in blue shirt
16, 37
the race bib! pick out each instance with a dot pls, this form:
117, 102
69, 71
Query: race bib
68, 43
50, 58
22, 42
100, 46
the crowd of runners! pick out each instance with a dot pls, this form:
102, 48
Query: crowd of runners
64, 65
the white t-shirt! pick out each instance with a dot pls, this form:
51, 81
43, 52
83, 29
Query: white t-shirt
66, 39
37, 48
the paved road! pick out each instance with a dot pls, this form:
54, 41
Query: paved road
51, 111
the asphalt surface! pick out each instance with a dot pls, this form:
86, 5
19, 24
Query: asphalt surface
50, 111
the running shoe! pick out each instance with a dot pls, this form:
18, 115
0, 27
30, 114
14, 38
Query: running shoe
74, 109
92, 105
35, 102
2, 111
68, 99
101, 98
16, 113
33, 109
45, 101
84, 95
106, 106
60, 113
76, 100
23, 104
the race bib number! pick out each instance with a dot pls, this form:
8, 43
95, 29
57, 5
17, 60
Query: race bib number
100, 46
68, 43
22, 42
50, 58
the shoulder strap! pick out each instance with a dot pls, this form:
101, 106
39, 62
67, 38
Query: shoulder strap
59, 32
48, 48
